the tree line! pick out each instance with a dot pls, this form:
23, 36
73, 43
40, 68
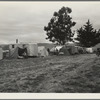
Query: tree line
59, 30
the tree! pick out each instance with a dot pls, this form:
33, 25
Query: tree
87, 35
59, 28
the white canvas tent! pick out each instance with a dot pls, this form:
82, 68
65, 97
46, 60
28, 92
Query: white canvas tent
52, 49
1, 54
42, 51
72, 48
89, 50
64, 51
13, 50
96, 46
32, 49
56, 48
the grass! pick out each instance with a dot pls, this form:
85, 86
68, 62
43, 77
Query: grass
53, 74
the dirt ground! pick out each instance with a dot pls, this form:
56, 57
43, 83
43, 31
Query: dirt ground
53, 74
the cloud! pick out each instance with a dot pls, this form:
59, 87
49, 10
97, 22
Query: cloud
26, 20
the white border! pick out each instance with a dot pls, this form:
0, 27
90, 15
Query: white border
49, 96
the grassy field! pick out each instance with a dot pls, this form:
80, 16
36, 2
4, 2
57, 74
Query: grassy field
60, 74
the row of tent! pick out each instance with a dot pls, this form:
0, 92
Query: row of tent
71, 49
33, 50
67, 50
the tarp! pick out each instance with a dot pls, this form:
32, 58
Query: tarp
13, 50
81, 50
5, 53
1, 54
96, 46
42, 51
32, 49
53, 49
13, 53
72, 49
64, 51
89, 50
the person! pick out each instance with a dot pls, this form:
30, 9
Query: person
48, 50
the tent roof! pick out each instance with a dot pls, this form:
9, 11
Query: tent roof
97, 45
46, 45
58, 47
70, 44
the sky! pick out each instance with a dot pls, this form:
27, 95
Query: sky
25, 21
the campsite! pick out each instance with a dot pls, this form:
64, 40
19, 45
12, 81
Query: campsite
49, 47
56, 74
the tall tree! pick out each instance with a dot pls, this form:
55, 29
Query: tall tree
87, 35
59, 28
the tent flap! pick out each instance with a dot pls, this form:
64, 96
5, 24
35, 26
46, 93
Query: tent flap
1, 53
42, 51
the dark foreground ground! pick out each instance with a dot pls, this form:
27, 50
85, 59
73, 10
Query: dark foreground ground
60, 74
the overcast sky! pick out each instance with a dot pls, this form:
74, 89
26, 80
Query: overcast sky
26, 20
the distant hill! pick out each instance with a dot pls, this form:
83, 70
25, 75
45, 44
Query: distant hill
46, 45
4, 46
